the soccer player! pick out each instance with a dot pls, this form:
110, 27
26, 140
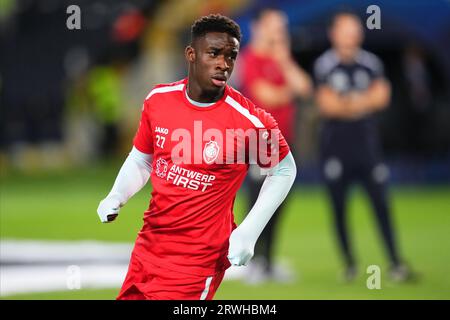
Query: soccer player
351, 89
189, 237
272, 79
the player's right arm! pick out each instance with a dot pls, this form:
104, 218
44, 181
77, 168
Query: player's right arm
132, 177
134, 173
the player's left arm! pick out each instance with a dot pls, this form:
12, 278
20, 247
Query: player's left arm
274, 190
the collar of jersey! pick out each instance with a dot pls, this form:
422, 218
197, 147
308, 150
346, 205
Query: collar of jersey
204, 108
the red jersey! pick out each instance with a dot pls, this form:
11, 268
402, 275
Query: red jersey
190, 216
253, 67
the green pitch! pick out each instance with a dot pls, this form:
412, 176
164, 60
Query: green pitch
62, 206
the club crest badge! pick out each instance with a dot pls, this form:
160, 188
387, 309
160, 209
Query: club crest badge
210, 152
161, 168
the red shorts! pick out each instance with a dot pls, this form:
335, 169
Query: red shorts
148, 282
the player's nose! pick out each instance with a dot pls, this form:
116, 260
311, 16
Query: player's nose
222, 63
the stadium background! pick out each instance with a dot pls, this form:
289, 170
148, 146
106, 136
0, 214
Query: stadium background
70, 102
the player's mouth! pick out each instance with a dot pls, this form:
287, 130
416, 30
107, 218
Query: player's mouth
219, 80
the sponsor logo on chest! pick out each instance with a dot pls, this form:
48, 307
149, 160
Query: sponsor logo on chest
182, 177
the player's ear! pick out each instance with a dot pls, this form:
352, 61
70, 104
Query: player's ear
189, 53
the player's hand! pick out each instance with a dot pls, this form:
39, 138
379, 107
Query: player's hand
241, 248
108, 209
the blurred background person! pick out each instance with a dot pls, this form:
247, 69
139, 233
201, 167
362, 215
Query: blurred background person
272, 79
351, 89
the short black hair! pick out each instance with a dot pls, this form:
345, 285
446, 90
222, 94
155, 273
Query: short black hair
215, 23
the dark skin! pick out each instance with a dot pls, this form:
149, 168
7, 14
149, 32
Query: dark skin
211, 61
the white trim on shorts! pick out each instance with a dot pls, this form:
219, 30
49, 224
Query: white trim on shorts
206, 290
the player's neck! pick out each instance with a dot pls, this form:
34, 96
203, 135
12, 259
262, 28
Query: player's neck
196, 93
198, 104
